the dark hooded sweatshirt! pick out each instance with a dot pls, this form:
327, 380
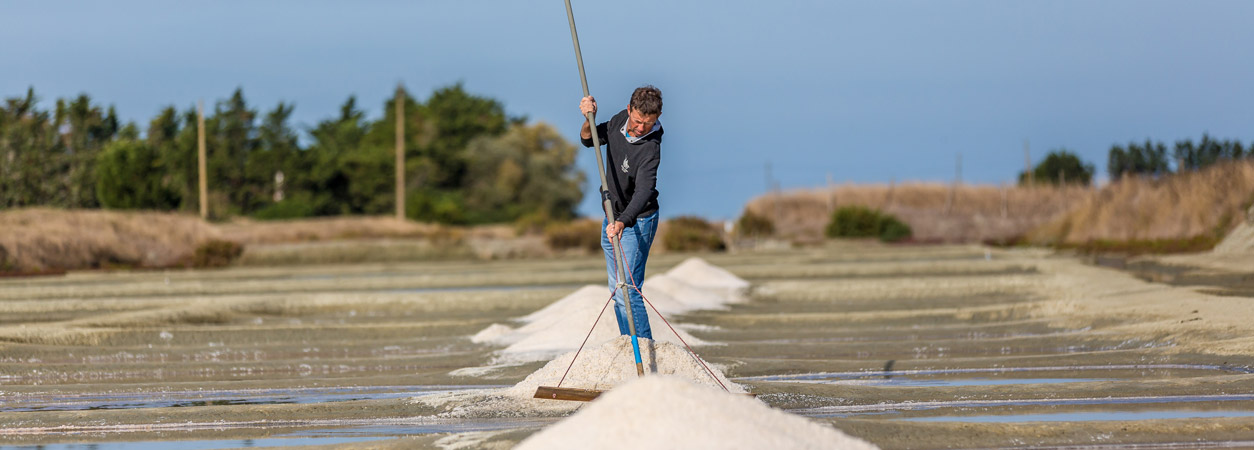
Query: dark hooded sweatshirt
630, 168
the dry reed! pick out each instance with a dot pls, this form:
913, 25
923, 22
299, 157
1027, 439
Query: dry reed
247, 231
1207, 203
936, 212
42, 239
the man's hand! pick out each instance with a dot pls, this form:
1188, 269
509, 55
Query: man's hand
587, 105
615, 230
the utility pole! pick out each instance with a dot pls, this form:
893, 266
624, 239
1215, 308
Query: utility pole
1027, 165
1005, 202
771, 187
400, 152
831, 194
200, 144
953, 190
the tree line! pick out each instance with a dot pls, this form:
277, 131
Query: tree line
466, 160
1062, 166
1151, 158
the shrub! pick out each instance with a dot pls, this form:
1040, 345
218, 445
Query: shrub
893, 229
863, 222
754, 225
129, 175
297, 206
217, 253
584, 234
688, 233
534, 222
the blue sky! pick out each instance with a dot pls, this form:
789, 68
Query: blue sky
865, 92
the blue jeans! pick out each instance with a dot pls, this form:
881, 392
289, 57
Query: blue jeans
635, 241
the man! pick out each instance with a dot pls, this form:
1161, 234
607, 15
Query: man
633, 149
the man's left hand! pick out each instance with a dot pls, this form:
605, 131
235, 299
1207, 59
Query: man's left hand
615, 230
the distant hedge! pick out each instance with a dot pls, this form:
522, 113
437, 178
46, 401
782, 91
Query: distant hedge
689, 233
863, 222
582, 234
754, 225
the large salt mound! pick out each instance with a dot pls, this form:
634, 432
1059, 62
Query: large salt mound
566, 324
670, 412
603, 367
687, 297
697, 272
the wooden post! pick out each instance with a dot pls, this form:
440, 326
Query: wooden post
953, 190
400, 152
888, 196
831, 195
1027, 165
200, 144
1005, 202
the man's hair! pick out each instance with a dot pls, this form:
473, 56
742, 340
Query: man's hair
647, 100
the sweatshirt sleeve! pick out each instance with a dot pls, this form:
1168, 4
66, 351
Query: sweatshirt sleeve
646, 184
602, 129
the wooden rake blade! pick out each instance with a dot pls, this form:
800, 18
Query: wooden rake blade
572, 394
581, 395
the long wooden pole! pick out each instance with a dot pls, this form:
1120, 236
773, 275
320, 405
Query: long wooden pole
609, 209
400, 152
200, 145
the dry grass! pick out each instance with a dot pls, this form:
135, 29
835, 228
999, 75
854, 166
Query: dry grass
44, 240
1204, 205
246, 231
40, 239
935, 212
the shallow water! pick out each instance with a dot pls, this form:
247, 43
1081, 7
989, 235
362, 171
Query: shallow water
197, 445
944, 377
985, 405
209, 397
1087, 416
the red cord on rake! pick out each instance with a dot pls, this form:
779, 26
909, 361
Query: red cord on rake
585, 338
668, 325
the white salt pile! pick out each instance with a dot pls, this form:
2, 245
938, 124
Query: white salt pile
670, 412
697, 272
557, 333
563, 325
602, 368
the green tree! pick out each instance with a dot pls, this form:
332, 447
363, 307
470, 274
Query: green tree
436, 135
528, 171
277, 163
1208, 151
130, 176
458, 118
230, 137
85, 129
32, 160
345, 176
1149, 158
1060, 166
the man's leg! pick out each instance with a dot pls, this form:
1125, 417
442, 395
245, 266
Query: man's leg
635, 242
620, 309
641, 240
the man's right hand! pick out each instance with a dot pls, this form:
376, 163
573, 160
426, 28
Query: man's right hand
588, 105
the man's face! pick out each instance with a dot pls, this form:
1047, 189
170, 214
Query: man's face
639, 124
